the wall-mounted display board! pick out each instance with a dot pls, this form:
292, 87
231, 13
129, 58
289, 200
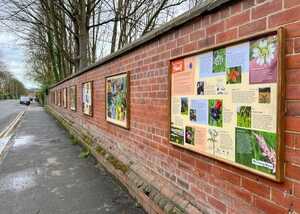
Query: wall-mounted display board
87, 98
55, 97
52, 97
65, 103
59, 97
228, 103
72, 97
117, 97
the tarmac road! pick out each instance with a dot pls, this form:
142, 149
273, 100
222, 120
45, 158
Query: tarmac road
9, 109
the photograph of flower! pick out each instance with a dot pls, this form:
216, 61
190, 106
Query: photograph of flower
215, 117
263, 60
177, 135
256, 149
87, 98
72, 98
189, 135
184, 106
234, 75
244, 116
117, 100
264, 95
219, 60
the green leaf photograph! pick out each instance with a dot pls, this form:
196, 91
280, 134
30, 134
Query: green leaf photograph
244, 116
219, 59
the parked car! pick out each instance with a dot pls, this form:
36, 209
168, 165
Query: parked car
25, 100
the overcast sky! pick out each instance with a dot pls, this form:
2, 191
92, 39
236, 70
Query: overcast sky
13, 55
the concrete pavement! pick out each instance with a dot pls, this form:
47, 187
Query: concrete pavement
42, 174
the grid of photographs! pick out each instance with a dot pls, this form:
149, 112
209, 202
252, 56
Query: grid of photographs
224, 103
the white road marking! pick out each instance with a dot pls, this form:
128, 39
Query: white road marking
5, 135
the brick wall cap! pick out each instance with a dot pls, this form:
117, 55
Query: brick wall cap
205, 6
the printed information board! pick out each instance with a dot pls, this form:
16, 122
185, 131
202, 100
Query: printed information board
65, 103
224, 104
72, 97
117, 100
87, 98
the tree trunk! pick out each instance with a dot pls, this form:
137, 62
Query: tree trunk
83, 35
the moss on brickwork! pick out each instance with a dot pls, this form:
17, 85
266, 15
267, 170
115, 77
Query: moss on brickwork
117, 164
112, 160
88, 140
100, 150
176, 210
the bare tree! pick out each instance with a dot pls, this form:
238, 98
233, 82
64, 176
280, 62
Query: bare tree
65, 36
10, 87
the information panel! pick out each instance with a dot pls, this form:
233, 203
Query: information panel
116, 95
87, 98
72, 97
65, 103
225, 103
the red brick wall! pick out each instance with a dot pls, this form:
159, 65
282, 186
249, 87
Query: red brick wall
221, 187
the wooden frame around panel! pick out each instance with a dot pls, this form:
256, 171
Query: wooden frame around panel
280, 32
92, 98
127, 100
75, 94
